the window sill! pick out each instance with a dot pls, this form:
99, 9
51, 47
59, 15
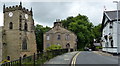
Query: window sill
24, 51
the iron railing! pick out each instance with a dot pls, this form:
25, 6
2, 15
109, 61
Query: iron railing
35, 59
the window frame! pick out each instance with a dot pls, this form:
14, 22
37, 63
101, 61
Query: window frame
58, 37
10, 25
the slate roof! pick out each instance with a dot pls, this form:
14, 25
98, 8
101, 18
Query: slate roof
58, 30
112, 15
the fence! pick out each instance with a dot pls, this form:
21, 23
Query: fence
36, 59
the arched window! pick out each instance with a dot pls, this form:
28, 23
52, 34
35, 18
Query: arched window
24, 45
20, 25
10, 25
67, 45
20, 18
58, 37
24, 56
25, 26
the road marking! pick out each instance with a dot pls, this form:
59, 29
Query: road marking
66, 59
74, 59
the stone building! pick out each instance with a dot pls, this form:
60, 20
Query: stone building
0, 44
60, 36
18, 32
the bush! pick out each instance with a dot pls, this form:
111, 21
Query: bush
54, 47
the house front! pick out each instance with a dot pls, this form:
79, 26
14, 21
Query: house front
110, 32
60, 36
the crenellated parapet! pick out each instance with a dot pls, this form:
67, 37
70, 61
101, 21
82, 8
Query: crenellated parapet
17, 7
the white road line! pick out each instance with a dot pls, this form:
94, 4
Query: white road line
66, 59
74, 59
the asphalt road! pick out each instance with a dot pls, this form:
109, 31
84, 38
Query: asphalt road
62, 59
87, 57
83, 58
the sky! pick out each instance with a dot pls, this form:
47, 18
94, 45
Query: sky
45, 12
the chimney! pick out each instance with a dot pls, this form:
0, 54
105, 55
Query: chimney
57, 23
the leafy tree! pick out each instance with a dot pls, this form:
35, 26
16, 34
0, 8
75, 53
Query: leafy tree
39, 31
97, 32
83, 28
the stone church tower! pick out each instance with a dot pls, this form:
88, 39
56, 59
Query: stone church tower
18, 32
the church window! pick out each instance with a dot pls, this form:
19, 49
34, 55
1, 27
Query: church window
20, 18
25, 26
58, 37
20, 25
10, 25
24, 45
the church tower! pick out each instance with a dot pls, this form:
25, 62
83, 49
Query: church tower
19, 37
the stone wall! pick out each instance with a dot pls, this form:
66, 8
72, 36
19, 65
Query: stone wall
0, 43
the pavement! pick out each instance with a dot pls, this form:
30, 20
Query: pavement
62, 59
103, 53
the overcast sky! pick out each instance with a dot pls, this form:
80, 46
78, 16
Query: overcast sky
47, 11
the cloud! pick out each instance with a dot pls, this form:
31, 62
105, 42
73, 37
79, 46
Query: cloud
47, 11
56, 0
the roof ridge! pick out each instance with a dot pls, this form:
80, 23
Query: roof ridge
112, 11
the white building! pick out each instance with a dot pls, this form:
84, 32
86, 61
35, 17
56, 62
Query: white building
0, 43
110, 33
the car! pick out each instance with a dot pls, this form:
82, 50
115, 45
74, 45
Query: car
90, 49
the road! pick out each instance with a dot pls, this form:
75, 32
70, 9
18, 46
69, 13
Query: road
88, 57
62, 59
83, 58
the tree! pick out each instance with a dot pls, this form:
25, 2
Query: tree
39, 31
83, 28
97, 32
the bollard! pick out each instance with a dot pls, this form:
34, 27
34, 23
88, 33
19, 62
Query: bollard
34, 59
20, 61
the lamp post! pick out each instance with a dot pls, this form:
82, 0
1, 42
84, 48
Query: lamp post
117, 28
